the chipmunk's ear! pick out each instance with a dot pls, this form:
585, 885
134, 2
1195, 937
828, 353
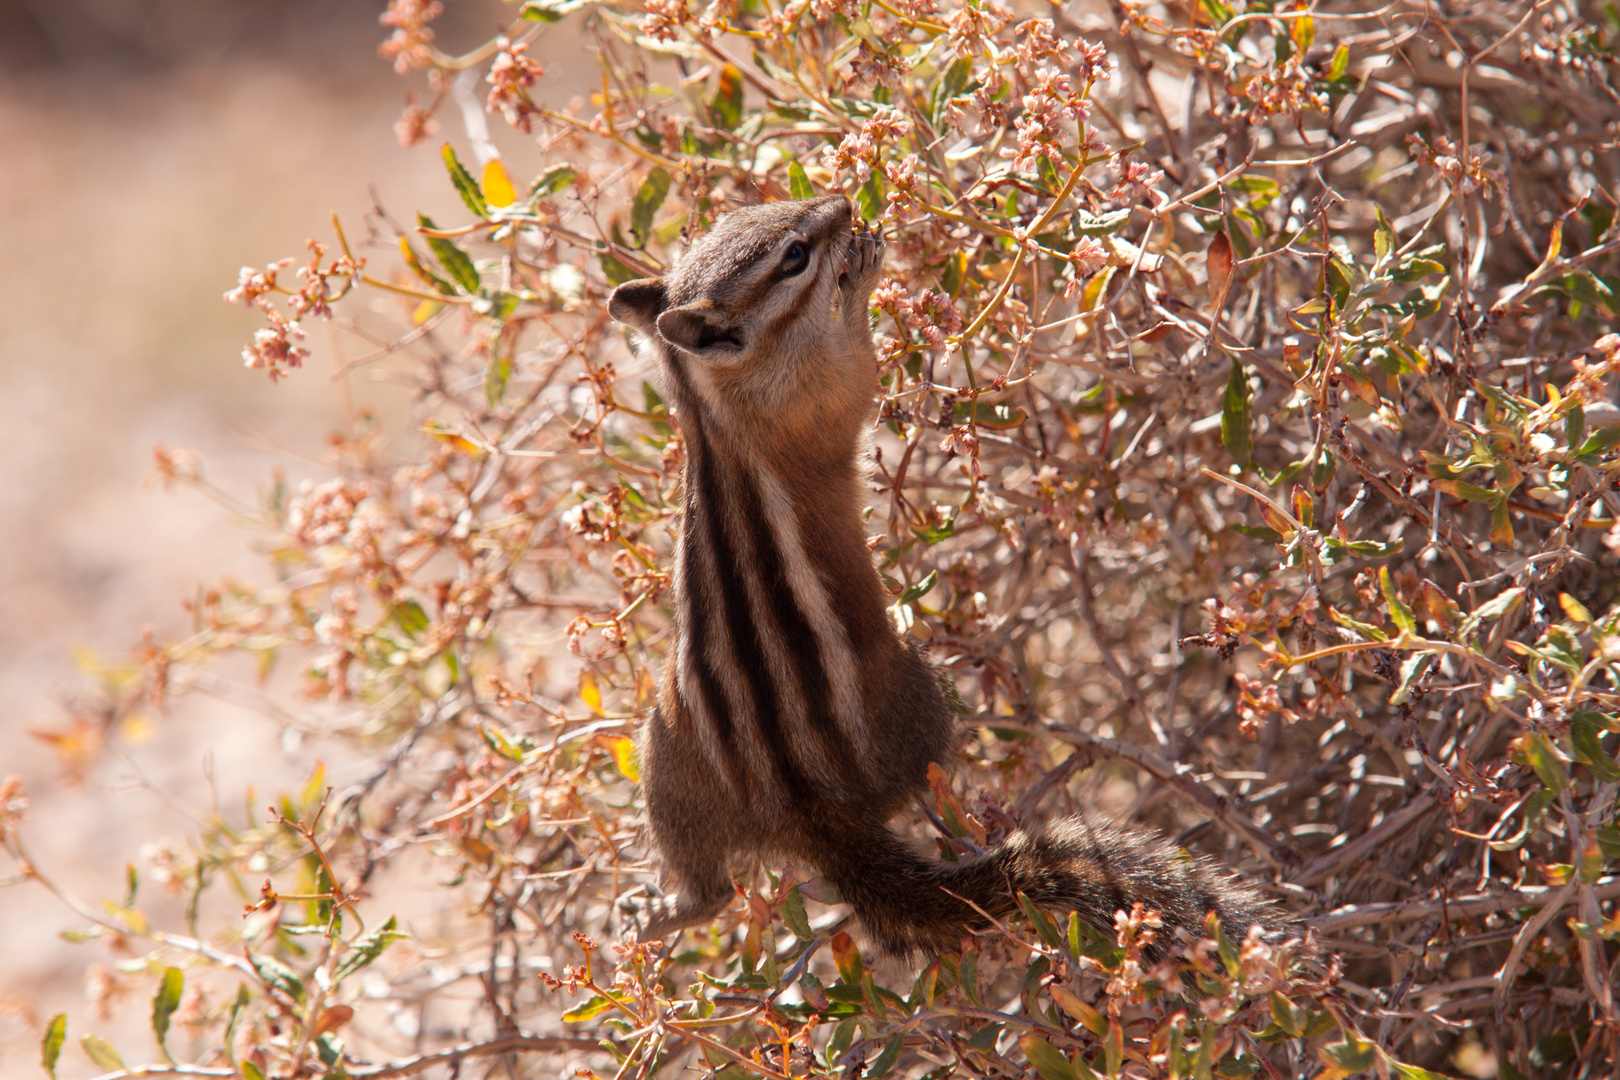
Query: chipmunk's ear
638, 304
701, 331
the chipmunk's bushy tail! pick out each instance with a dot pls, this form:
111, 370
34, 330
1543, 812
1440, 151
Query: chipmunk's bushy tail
907, 902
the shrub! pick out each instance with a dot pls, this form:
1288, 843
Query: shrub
1247, 457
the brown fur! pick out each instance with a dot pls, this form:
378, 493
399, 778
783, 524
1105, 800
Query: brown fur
773, 377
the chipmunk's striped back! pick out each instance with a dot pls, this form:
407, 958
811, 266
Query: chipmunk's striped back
793, 719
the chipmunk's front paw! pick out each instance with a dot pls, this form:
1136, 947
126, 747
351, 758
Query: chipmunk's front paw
863, 264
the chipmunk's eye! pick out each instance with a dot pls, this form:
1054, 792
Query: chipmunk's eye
795, 258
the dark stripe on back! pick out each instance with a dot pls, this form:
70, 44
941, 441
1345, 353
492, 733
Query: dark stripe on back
696, 631
745, 639
697, 615
704, 501
803, 646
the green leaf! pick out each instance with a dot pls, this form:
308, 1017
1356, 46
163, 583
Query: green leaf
1421, 302
957, 76
794, 917
1237, 423
165, 1001
1545, 760
550, 11
276, 975
955, 273
1398, 611
457, 263
1412, 1072
615, 271
1575, 425
1044, 927
1599, 441
409, 617
1049, 174
869, 199
470, 192
798, 183
1586, 288
101, 1052
1339, 281
1555, 1050
367, 948
586, 1010
551, 180
495, 378
921, 589
1587, 736
1048, 1060
50, 1044
891, 1054
241, 1002
1238, 1066
1262, 190
250, 1071
1383, 233
1417, 269
1352, 1056
727, 104
649, 197
497, 741
1464, 490
1494, 608
873, 998
1290, 1017
1339, 65
1106, 225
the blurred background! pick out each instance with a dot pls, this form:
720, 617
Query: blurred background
151, 148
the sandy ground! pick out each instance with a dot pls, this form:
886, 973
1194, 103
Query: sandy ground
128, 199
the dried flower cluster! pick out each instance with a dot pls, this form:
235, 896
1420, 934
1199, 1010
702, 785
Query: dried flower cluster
1247, 462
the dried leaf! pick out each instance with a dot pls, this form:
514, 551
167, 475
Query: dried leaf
1218, 260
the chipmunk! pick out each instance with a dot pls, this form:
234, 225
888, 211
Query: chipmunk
793, 719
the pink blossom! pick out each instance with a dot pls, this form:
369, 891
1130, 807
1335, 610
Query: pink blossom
273, 348
408, 45
414, 124
510, 77
665, 19
252, 284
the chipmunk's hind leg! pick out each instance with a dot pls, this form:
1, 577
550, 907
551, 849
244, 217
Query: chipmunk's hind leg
692, 820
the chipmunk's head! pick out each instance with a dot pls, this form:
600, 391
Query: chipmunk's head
769, 284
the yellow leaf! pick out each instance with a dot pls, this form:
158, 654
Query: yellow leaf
131, 919
624, 756
425, 311
137, 728
1079, 1010
589, 693
1573, 607
498, 189
460, 442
